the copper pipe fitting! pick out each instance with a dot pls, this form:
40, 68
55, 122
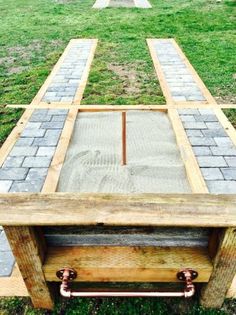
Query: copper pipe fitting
69, 274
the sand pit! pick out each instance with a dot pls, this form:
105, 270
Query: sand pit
93, 160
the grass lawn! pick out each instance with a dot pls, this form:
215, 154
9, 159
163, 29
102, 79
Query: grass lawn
33, 34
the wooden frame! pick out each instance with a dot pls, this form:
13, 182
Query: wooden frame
19, 215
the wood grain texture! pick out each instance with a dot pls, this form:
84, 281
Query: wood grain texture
224, 270
26, 248
118, 209
98, 108
127, 264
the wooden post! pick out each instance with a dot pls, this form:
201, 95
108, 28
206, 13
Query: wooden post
224, 269
29, 258
124, 155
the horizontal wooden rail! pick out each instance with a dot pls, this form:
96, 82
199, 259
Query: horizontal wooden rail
127, 264
192, 210
100, 108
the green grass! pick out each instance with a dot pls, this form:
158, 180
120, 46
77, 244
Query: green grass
115, 306
33, 34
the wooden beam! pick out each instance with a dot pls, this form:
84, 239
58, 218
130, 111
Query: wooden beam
224, 270
127, 264
118, 210
51, 181
98, 108
26, 248
193, 171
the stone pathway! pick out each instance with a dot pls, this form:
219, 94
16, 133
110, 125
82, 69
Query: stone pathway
181, 82
215, 152
142, 4
26, 166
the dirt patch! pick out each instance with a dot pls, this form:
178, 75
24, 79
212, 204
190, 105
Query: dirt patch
130, 77
19, 57
227, 99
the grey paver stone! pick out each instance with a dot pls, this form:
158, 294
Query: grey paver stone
7, 262
24, 142
222, 186
231, 161
37, 161
33, 133
27, 186
206, 118
46, 151
211, 161
224, 151
201, 141
37, 173
229, 173
188, 111
194, 133
212, 133
23, 151
5, 185
53, 125
4, 245
223, 141
194, 125
13, 173
186, 118
213, 125
13, 161
202, 151
212, 173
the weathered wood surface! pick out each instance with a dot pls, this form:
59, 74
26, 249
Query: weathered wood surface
224, 270
193, 210
97, 108
127, 264
27, 249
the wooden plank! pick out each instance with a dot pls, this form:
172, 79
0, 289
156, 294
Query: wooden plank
52, 178
97, 108
83, 81
27, 248
193, 171
160, 74
13, 285
118, 210
224, 270
127, 264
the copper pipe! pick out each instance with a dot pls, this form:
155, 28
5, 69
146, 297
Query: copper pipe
68, 274
124, 155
